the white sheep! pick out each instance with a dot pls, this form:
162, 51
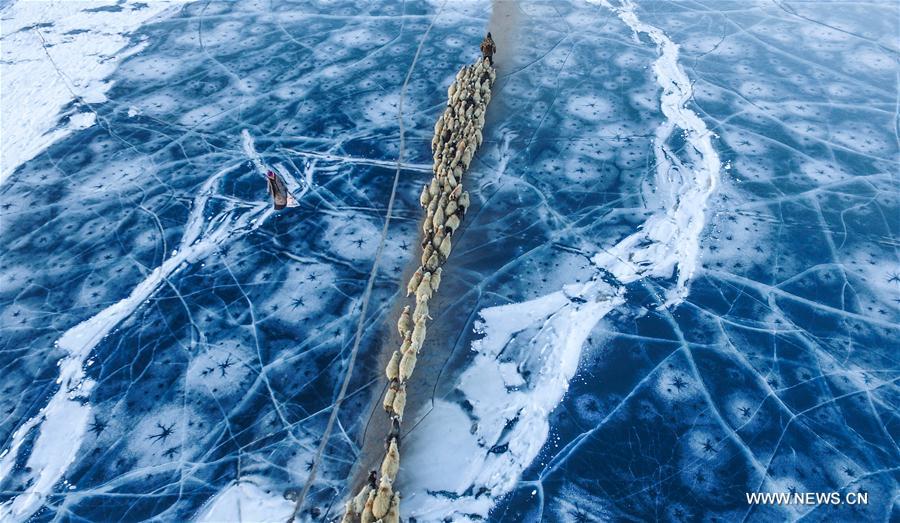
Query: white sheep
433, 262
454, 194
418, 335
382, 498
467, 157
399, 402
434, 187
359, 501
407, 365
349, 514
407, 341
450, 225
423, 293
391, 462
425, 197
414, 282
438, 237
438, 220
463, 201
451, 208
367, 515
436, 278
393, 514
403, 324
389, 396
392, 371
426, 257
445, 247
421, 310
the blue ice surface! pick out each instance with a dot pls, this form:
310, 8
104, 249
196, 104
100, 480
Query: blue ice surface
781, 363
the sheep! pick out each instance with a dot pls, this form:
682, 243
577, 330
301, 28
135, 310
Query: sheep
391, 463
452, 179
467, 157
359, 502
451, 90
407, 365
367, 516
414, 282
423, 293
454, 194
418, 336
433, 262
436, 279
382, 498
393, 514
478, 137
438, 220
426, 258
463, 201
392, 371
389, 397
407, 341
403, 322
450, 227
433, 204
458, 172
458, 156
451, 208
425, 197
399, 401
434, 187
348, 513
421, 309
438, 238
444, 249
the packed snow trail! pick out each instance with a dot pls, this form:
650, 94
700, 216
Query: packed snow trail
457, 135
529, 351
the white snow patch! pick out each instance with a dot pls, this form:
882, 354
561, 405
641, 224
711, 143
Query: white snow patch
85, 46
245, 501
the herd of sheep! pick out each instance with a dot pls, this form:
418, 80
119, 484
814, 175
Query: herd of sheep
457, 134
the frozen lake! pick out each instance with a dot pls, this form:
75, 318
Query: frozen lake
678, 283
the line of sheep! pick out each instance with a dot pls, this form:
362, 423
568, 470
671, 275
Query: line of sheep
457, 134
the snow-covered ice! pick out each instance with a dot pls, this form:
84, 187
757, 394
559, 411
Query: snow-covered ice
678, 281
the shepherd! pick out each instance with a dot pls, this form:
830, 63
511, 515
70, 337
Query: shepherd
488, 48
280, 195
